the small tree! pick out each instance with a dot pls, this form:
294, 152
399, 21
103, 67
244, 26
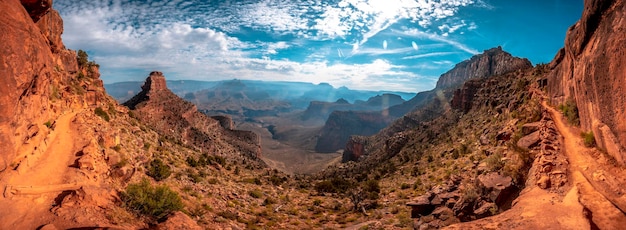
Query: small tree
364, 191
82, 58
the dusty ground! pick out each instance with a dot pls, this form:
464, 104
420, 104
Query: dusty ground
52, 168
594, 192
289, 156
33, 194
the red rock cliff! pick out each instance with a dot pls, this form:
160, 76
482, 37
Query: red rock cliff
591, 71
492, 62
174, 117
39, 76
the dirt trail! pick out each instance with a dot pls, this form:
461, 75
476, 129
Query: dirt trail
52, 168
595, 190
589, 175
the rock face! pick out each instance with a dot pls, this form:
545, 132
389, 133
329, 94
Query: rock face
590, 70
37, 8
174, 117
321, 110
39, 77
342, 124
355, 148
463, 97
492, 62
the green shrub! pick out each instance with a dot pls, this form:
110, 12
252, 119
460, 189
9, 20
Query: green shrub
405, 186
255, 193
570, 111
158, 170
269, 201
334, 185
277, 180
192, 162
101, 113
228, 215
48, 124
588, 139
494, 162
253, 180
82, 58
153, 201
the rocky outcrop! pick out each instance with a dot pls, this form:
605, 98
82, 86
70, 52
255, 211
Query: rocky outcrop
37, 8
40, 77
178, 220
176, 118
321, 110
342, 124
590, 71
355, 148
463, 97
492, 62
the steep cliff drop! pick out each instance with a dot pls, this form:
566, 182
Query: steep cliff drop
180, 120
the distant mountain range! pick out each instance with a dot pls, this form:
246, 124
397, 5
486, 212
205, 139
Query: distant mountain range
298, 94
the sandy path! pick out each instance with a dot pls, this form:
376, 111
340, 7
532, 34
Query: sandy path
586, 196
31, 211
582, 168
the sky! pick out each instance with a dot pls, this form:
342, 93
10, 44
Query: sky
402, 45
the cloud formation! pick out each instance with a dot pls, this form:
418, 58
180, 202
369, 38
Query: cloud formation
344, 42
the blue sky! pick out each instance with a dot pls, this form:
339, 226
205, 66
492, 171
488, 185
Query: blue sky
362, 44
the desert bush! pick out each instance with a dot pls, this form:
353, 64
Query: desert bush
494, 162
570, 111
334, 185
255, 193
588, 139
253, 180
228, 215
101, 113
158, 170
82, 58
277, 180
152, 201
269, 201
405, 186
48, 124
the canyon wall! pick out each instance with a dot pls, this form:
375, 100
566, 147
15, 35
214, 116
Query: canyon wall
591, 71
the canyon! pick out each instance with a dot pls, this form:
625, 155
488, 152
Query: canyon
498, 143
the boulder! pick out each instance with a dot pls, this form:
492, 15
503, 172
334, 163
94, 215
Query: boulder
178, 220
485, 209
544, 182
529, 141
86, 162
421, 206
48, 227
530, 128
498, 188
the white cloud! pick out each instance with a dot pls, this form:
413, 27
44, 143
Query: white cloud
420, 34
376, 51
272, 48
434, 54
191, 41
